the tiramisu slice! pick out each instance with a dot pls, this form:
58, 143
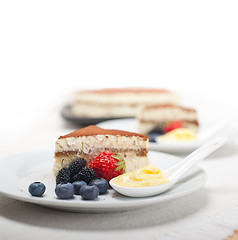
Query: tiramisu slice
132, 147
118, 102
162, 118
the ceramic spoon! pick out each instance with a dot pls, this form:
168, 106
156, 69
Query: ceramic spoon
173, 173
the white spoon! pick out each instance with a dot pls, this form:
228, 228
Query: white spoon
173, 173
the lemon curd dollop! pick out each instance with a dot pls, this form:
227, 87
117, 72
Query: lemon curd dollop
147, 176
179, 134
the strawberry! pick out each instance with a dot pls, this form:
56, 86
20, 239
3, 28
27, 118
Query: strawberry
108, 165
172, 125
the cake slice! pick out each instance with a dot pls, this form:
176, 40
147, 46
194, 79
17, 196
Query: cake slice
132, 147
119, 102
156, 118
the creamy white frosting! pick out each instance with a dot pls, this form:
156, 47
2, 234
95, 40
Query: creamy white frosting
89, 110
166, 114
127, 98
105, 141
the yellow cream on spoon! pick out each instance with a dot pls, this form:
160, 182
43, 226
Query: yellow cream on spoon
147, 176
179, 134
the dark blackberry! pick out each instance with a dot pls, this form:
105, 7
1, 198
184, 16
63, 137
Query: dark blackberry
63, 176
77, 166
87, 174
75, 178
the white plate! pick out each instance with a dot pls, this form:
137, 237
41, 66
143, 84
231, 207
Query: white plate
18, 171
166, 146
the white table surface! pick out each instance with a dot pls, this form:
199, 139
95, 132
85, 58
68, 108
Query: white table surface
211, 212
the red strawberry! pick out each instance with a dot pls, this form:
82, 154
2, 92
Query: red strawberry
172, 125
108, 165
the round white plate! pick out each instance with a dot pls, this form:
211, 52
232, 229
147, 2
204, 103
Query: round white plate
18, 171
206, 131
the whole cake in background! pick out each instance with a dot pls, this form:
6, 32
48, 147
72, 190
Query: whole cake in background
119, 102
92, 140
164, 118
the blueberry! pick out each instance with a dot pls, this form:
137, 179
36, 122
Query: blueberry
101, 183
77, 186
36, 189
154, 133
89, 192
153, 136
157, 130
65, 190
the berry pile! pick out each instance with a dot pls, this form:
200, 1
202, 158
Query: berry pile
157, 131
88, 191
71, 174
89, 182
74, 179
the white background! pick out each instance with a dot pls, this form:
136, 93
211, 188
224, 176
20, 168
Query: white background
48, 49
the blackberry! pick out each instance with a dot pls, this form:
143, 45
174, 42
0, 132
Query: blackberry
75, 178
63, 176
76, 166
87, 174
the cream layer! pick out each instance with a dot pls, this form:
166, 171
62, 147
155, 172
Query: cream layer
91, 110
128, 98
97, 141
166, 114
